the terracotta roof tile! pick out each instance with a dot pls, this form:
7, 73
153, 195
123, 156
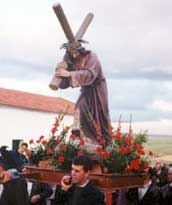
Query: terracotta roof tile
34, 101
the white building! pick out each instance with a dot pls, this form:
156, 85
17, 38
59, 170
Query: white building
27, 116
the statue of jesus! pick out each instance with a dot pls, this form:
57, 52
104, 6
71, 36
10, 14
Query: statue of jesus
82, 68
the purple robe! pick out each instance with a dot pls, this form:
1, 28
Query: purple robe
93, 100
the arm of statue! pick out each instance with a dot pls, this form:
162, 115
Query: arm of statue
88, 74
83, 76
65, 82
59, 81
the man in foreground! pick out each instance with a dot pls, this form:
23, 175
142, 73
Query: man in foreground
77, 189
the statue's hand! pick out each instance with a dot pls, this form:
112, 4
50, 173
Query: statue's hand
61, 72
62, 65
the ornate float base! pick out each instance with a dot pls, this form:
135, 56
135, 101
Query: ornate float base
105, 182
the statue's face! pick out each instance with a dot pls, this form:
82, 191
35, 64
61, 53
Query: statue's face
73, 52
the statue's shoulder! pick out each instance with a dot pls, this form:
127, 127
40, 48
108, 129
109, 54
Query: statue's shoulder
93, 56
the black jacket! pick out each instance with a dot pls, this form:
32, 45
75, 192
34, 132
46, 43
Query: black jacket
43, 189
162, 177
151, 197
88, 195
166, 193
13, 159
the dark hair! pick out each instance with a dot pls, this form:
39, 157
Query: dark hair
24, 144
70, 61
83, 160
3, 163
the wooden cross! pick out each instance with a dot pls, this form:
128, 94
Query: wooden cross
69, 34
66, 27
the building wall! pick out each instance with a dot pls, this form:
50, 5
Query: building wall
16, 123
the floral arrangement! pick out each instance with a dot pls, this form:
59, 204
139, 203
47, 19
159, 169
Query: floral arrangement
59, 148
124, 154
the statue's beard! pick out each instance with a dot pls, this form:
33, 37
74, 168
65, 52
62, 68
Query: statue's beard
74, 56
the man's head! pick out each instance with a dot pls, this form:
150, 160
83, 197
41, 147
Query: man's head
158, 166
3, 164
22, 147
73, 52
81, 169
164, 165
73, 49
170, 175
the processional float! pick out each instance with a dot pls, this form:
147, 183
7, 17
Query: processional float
106, 182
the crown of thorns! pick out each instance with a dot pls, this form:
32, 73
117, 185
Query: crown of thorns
74, 45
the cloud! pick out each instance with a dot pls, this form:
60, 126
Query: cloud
163, 106
137, 97
134, 36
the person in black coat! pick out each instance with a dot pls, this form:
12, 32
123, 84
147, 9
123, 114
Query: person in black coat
5, 174
39, 193
159, 175
166, 191
77, 189
149, 194
15, 191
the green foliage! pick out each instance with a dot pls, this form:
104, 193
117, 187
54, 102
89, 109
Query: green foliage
125, 154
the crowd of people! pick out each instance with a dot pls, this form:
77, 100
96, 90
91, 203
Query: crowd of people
12, 176
77, 188
157, 189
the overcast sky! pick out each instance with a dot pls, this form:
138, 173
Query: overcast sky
133, 40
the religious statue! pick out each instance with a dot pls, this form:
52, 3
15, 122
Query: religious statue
82, 68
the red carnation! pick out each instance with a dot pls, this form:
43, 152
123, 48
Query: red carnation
98, 138
102, 141
58, 141
140, 151
117, 136
128, 141
123, 150
80, 152
105, 154
135, 164
53, 130
31, 141
48, 151
138, 146
60, 159
44, 142
99, 149
72, 136
63, 148
82, 142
